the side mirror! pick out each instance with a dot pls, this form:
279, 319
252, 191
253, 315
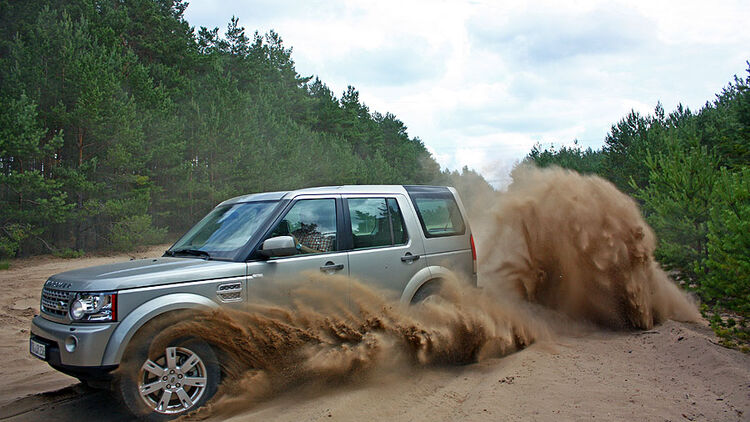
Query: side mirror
278, 246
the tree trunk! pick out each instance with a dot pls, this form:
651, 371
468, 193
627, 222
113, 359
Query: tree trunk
80, 147
79, 205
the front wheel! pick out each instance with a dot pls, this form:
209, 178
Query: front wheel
170, 381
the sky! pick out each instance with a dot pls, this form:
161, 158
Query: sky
482, 82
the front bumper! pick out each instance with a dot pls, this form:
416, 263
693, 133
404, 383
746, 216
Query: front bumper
91, 341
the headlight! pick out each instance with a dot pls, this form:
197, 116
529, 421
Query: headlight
100, 307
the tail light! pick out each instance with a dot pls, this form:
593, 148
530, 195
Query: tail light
473, 252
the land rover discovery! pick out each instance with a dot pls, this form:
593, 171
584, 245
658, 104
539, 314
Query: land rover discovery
96, 319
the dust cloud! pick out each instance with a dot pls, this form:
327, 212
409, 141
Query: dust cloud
555, 246
576, 244
327, 330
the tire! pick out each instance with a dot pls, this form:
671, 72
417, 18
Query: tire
155, 388
427, 293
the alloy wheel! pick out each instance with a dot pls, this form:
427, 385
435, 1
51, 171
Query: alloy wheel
173, 382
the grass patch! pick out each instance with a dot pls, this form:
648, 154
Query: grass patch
733, 330
68, 253
4, 265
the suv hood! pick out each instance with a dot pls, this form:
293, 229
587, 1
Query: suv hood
143, 273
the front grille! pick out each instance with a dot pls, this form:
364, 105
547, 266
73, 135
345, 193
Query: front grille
55, 302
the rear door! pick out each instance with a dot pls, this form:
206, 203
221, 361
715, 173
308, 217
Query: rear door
386, 249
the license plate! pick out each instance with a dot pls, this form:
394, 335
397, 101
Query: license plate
38, 349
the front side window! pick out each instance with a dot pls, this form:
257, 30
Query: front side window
376, 222
225, 229
312, 223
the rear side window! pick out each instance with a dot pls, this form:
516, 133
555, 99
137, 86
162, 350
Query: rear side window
376, 222
439, 214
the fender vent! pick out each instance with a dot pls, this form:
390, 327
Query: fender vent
229, 292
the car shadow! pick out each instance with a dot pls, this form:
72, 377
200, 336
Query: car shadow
74, 403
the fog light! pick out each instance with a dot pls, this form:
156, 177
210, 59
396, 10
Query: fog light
71, 343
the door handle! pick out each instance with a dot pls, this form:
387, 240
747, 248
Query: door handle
330, 267
409, 258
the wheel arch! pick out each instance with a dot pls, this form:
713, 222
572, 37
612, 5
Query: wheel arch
146, 312
424, 277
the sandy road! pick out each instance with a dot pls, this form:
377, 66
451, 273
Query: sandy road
675, 372
672, 373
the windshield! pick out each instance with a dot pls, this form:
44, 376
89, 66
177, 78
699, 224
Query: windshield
225, 229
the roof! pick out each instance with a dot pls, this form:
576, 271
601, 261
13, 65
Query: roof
324, 190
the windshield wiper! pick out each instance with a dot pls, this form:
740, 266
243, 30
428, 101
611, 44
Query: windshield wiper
194, 252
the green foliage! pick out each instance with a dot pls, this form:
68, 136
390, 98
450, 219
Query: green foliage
727, 266
627, 147
135, 231
119, 124
731, 329
725, 125
30, 197
11, 236
68, 253
585, 161
677, 201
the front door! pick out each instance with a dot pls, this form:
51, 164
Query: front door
312, 222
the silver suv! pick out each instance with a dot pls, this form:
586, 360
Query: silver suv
96, 319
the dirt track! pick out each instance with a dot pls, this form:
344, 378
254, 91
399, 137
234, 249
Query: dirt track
674, 372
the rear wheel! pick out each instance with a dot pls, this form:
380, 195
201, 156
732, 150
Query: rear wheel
170, 381
428, 293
